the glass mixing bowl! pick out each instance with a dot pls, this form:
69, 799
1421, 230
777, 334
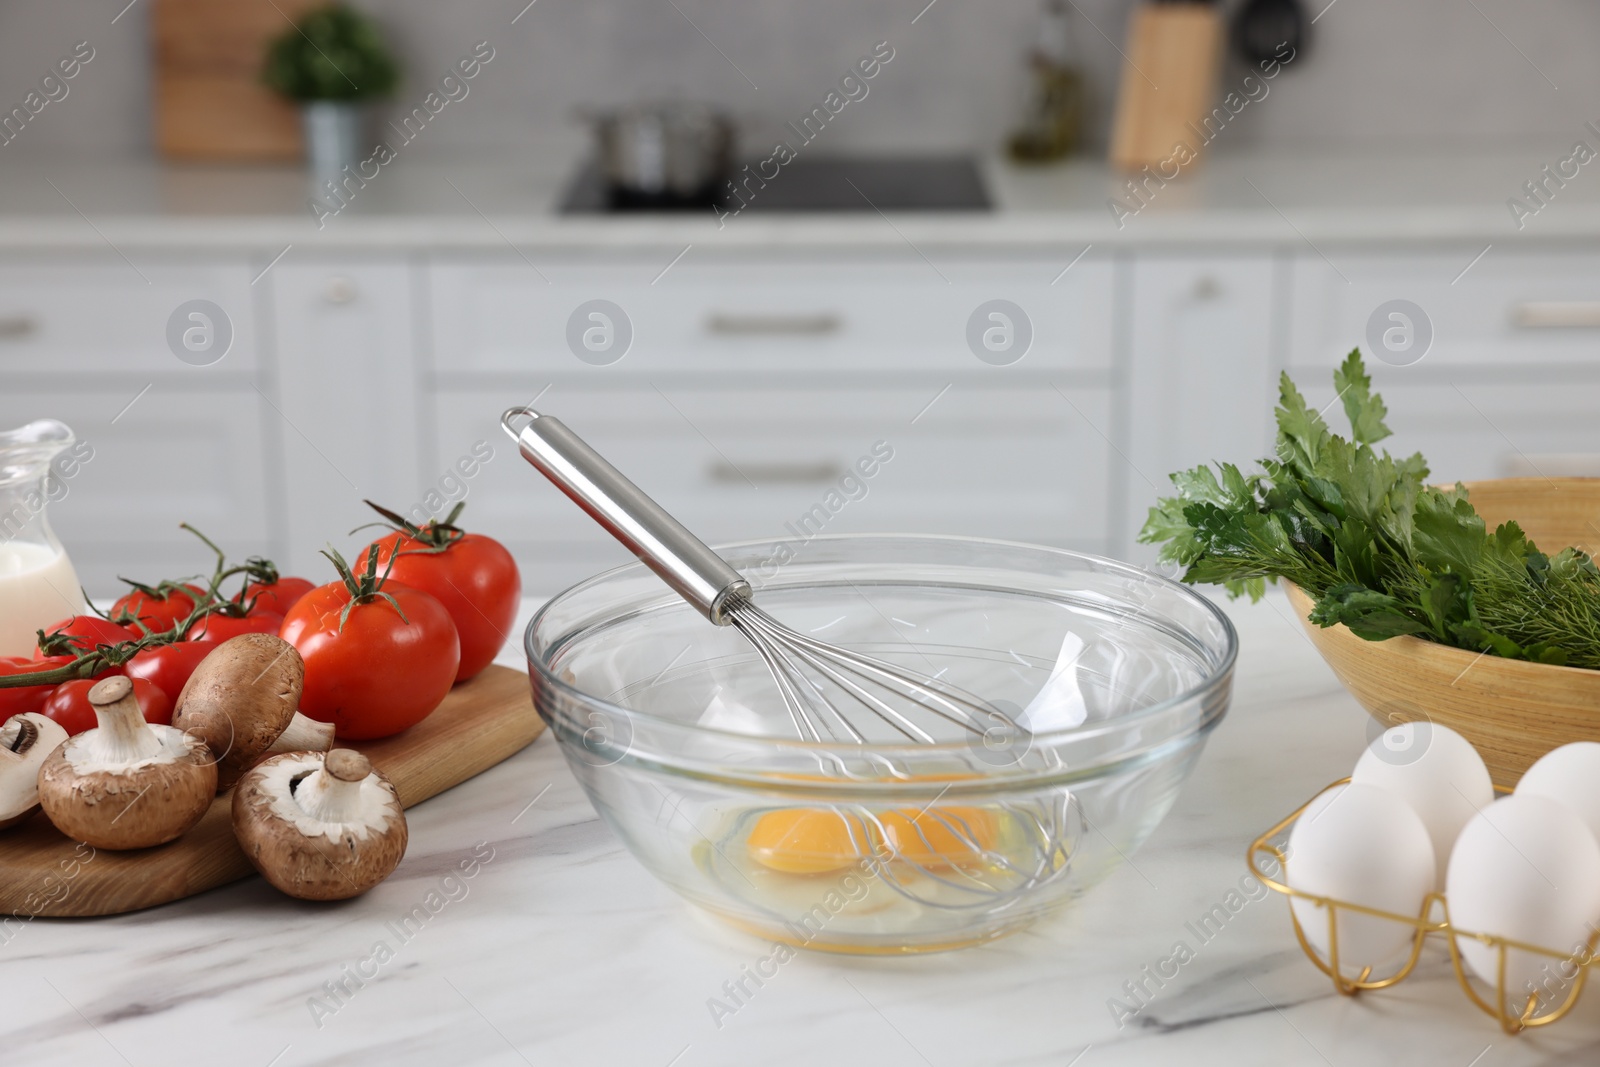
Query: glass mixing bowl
678, 734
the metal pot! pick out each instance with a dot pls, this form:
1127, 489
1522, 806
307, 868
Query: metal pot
664, 154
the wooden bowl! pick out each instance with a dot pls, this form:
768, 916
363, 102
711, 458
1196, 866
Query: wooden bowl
1511, 710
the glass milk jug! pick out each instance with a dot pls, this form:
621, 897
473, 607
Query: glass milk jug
38, 586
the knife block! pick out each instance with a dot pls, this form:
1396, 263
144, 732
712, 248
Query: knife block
1169, 83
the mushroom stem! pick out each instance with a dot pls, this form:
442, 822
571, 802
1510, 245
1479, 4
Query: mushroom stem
122, 736
26, 741
303, 734
333, 793
16, 737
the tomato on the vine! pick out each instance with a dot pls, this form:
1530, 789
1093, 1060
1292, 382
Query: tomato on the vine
69, 705
158, 607
473, 576
219, 627
168, 667
379, 655
275, 596
264, 588
82, 633
30, 697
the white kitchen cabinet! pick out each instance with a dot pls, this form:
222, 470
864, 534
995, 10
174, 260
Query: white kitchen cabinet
823, 317
175, 455
1511, 383
74, 314
84, 339
344, 405
1510, 311
752, 386
744, 463
1199, 375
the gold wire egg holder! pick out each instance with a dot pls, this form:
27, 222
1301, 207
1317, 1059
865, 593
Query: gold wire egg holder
1433, 919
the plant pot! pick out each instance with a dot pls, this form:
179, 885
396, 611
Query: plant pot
335, 136
1512, 711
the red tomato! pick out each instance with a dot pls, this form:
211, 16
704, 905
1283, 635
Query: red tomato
378, 673
69, 705
84, 632
278, 596
221, 627
31, 697
157, 611
475, 579
167, 667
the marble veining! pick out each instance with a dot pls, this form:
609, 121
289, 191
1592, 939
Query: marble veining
562, 950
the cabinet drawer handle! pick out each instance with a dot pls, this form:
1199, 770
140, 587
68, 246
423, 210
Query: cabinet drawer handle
16, 327
1557, 314
339, 290
820, 472
735, 325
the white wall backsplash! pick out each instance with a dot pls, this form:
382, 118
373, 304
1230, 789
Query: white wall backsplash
1416, 75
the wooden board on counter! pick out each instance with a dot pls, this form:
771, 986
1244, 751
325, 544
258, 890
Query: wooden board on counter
1169, 84
210, 103
43, 873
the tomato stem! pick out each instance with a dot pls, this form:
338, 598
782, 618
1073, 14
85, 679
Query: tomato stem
262, 570
365, 587
88, 662
83, 667
437, 534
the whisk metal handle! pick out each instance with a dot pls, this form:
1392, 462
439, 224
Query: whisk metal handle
683, 561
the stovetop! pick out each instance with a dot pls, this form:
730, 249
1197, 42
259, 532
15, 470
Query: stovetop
933, 183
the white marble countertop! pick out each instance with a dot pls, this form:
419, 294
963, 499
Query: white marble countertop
481, 202
564, 951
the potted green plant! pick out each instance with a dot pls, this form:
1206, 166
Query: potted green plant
332, 63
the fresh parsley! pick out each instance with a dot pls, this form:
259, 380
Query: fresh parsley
1377, 548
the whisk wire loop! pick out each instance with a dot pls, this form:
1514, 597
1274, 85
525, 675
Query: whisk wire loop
865, 678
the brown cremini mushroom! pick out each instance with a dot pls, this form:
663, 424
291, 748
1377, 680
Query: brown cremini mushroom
127, 783
240, 699
26, 741
319, 827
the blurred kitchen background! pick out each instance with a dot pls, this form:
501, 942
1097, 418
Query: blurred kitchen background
1397, 78
754, 359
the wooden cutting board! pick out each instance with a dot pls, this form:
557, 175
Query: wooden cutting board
210, 103
1169, 84
43, 873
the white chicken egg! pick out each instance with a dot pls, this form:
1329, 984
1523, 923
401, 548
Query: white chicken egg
1525, 868
1437, 772
1362, 845
1569, 775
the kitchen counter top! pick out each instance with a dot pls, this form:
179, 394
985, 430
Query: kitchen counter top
477, 202
562, 950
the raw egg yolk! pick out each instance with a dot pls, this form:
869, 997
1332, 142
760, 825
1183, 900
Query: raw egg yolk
808, 841
941, 837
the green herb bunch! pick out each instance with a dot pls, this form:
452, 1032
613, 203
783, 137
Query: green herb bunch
1377, 548
332, 53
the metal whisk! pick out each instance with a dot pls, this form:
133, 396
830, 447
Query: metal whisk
720, 593
813, 677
